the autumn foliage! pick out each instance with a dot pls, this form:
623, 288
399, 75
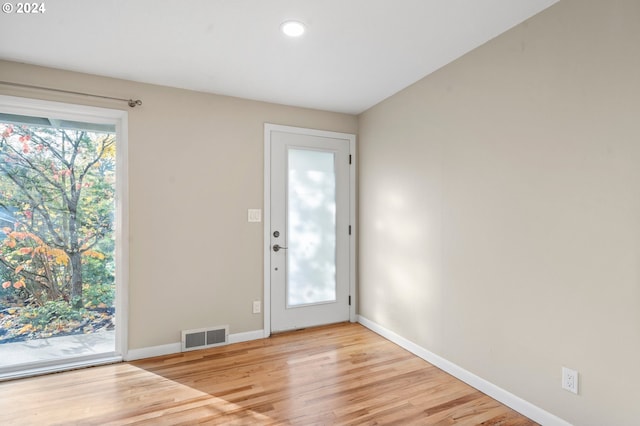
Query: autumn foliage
58, 187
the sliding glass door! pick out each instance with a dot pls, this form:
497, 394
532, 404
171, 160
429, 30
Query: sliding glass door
59, 222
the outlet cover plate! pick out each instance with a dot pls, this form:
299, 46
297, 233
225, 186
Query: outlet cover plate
570, 380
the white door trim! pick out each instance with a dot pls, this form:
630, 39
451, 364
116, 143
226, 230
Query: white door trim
268, 128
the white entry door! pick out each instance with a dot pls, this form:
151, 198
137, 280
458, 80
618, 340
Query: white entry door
309, 227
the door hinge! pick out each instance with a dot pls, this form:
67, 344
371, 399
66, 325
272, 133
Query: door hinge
349, 158
349, 300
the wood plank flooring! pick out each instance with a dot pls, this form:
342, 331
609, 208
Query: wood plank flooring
341, 374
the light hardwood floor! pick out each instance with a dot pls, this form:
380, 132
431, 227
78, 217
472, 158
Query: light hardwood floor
341, 374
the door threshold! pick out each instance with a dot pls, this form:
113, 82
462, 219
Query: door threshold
312, 327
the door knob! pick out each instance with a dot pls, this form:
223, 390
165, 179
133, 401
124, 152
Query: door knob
278, 247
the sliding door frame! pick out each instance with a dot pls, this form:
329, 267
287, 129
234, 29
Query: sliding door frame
119, 118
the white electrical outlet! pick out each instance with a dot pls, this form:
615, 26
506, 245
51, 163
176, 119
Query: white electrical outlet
256, 306
570, 380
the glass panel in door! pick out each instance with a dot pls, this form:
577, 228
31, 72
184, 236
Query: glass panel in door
57, 240
311, 213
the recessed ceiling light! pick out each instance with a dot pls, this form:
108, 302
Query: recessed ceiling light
292, 28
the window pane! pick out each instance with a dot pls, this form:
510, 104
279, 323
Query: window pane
57, 242
311, 235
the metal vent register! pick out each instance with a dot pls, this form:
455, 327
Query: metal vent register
205, 338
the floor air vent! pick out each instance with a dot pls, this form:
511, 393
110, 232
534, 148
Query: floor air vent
204, 338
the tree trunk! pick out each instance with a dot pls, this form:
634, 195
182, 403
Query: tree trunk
76, 279
76, 261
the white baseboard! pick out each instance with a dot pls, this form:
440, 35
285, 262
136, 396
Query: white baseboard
535, 413
246, 336
152, 351
174, 348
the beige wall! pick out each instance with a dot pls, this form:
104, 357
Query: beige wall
500, 211
499, 200
195, 167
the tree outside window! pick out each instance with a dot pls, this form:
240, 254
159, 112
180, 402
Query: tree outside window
57, 201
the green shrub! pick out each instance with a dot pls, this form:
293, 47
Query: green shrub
41, 316
98, 295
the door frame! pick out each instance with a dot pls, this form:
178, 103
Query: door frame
268, 128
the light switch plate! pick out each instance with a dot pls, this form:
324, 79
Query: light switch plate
254, 215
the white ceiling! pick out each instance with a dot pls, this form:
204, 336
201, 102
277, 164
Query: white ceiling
355, 52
